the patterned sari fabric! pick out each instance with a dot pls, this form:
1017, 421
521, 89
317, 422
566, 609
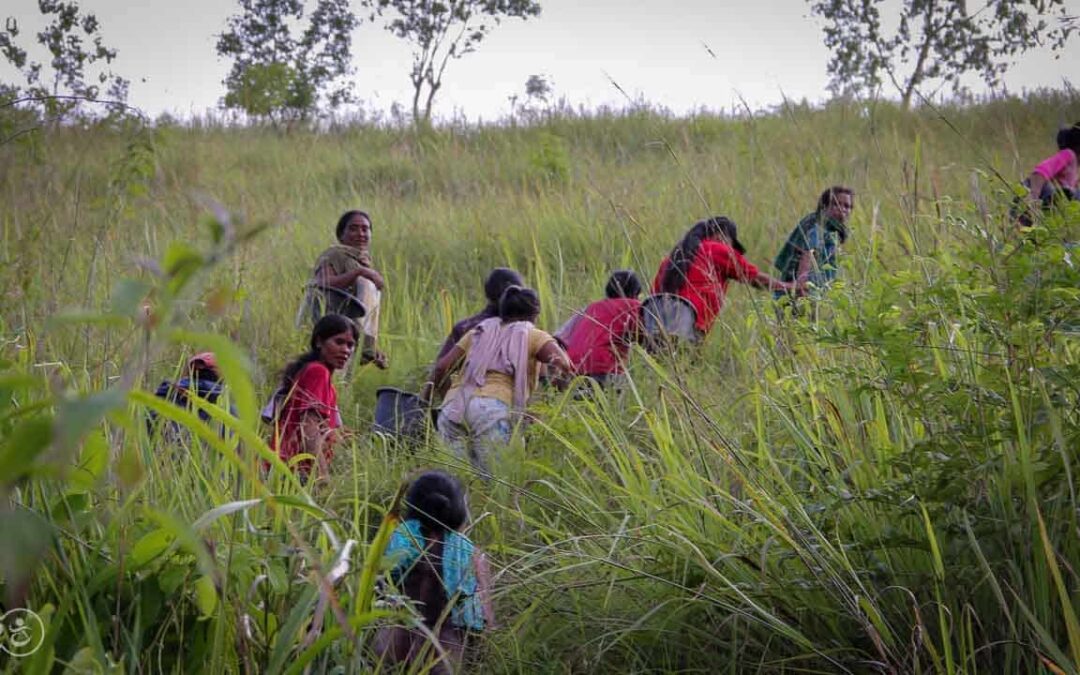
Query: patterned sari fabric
312, 392
359, 302
458, 576
820, 236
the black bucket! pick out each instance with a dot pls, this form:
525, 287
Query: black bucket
322, 300
399, 413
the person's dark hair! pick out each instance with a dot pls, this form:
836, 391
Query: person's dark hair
497, 281
437, 500
1069, 137
827, 197
203, 373
682, 256
343, 221
623, 284
325, 328
519, 304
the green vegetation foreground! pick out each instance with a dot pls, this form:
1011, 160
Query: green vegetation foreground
886, 486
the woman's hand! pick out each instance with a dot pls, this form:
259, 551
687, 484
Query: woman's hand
380, 360
483, 588
373, 276
375, 357
553, 356
315, 437
450, 362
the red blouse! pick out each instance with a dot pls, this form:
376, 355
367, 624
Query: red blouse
599, 338
714, 265
312, 391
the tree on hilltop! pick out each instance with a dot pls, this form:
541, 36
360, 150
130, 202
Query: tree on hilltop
278, 76
78, 70
538, 88
934, 40
441, 30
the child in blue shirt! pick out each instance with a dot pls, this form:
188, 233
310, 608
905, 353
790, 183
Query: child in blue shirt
440, 570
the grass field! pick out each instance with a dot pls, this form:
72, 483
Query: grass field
887, 486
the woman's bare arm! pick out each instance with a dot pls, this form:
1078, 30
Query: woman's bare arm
374, 276
764, 281
439, 381
1036, 183
806, 265
553, 356
326, 277
314, 435
483, 587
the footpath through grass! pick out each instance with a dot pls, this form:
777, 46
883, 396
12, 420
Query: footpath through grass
885, 485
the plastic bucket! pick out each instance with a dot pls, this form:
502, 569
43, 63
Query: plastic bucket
665, 317
399, 413
322, 300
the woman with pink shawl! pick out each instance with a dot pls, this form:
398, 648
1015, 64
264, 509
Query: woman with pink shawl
495, 368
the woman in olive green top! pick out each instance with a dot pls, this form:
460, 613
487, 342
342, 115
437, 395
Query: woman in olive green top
346, 283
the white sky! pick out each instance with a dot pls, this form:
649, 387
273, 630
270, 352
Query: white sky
764, 49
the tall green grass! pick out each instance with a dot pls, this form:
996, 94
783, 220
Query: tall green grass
884, 485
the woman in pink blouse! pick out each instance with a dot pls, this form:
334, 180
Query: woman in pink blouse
1057, 175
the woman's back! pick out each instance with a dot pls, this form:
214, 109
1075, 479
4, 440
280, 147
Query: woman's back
713, 266
1061, 168
599, 339
434, 568
437, 568
501, 364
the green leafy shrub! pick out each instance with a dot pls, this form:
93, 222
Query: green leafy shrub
549, 160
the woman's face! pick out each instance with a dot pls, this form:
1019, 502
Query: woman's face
357, 232
335, 350
840, 208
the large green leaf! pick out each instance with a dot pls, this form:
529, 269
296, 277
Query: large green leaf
127, 297
242, 505
78, 415
149, 547
180, 263
27, 537
93, 461
22, 448
206, 596
286, 640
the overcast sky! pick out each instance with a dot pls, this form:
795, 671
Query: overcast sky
655, 49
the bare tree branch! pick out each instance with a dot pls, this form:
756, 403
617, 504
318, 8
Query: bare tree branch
440, 31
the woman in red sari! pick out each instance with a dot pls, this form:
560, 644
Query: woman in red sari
307, 414
700, 266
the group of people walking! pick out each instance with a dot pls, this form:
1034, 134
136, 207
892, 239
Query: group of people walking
490, 364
